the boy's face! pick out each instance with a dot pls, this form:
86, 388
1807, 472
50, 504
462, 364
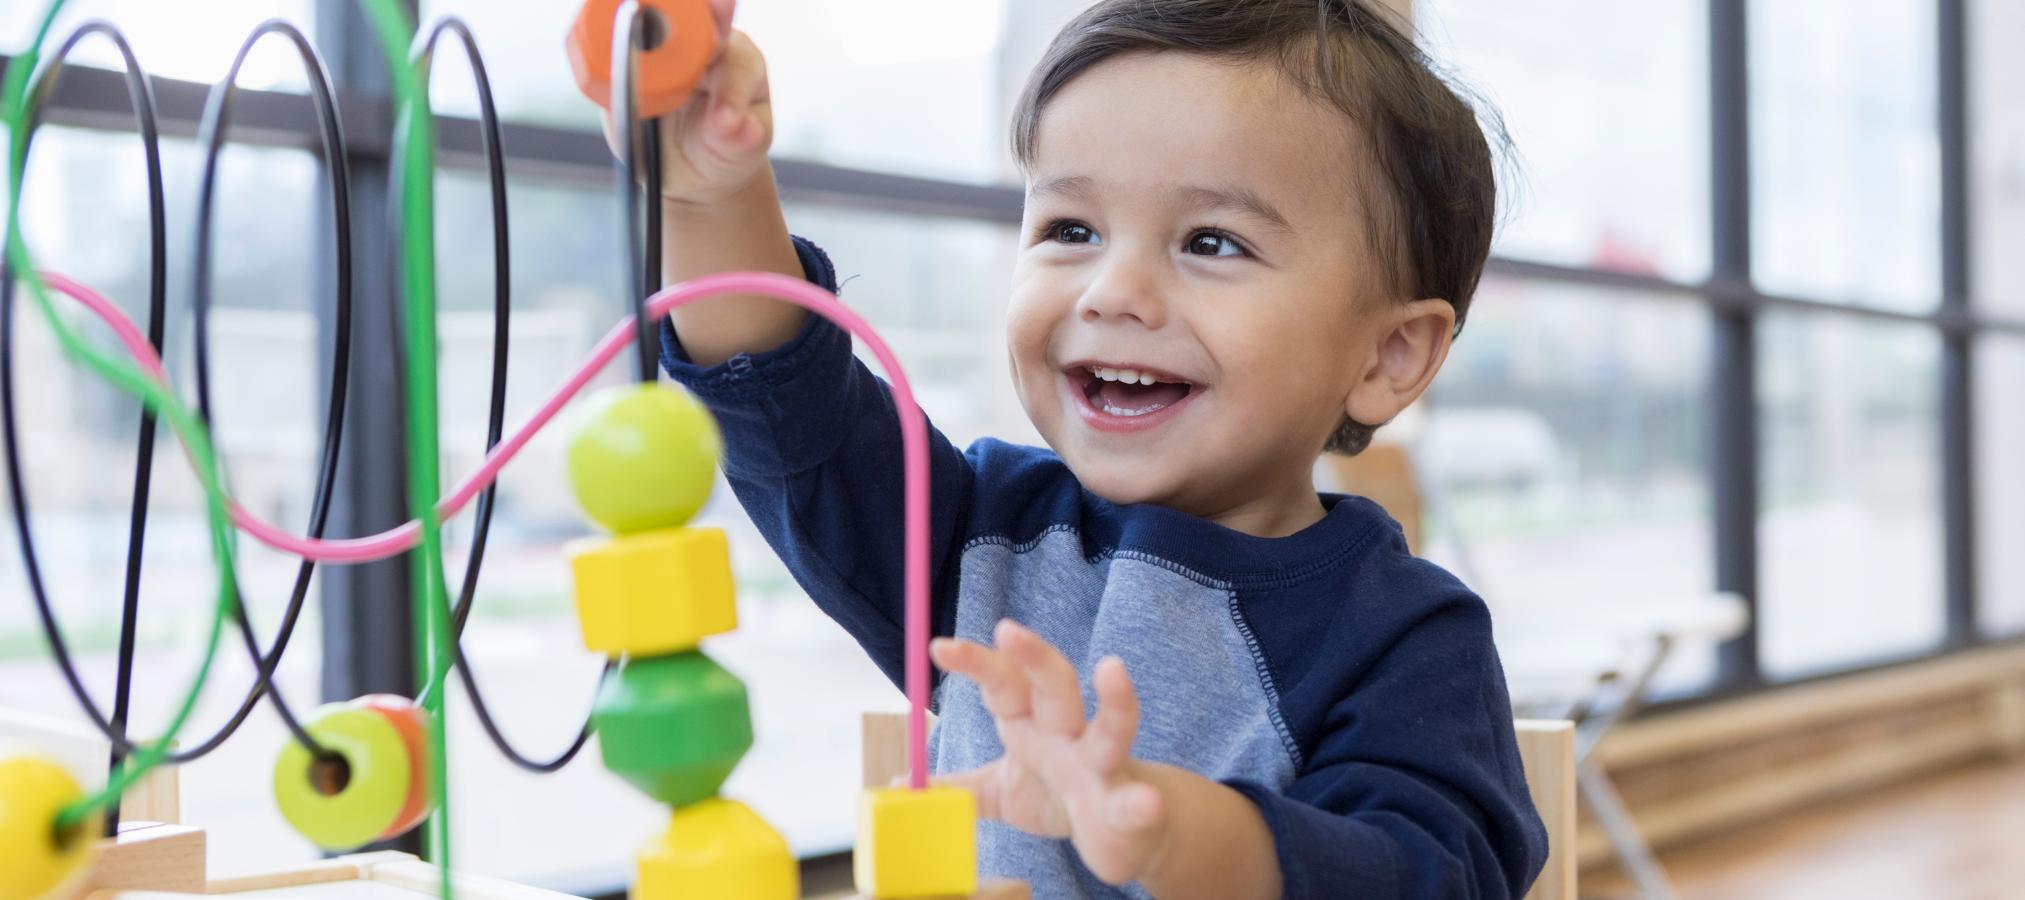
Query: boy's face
1195, 222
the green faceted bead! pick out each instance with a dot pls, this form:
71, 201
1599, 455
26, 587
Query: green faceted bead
673, 726
643, 457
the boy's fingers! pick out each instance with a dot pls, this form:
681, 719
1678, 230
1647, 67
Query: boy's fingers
1057, 694
737, 81
721, 11
999, 678
1109, 738
981, 782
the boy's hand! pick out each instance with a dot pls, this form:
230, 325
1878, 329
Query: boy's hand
716, 144
1062, 775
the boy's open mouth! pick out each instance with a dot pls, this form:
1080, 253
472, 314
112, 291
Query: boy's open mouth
1132, 394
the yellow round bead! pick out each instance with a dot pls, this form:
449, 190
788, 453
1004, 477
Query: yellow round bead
36, 859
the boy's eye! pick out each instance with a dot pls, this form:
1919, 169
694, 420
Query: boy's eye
1213, 243
1070, 233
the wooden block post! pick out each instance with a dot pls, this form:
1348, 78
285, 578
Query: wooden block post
1547, 748
149, 856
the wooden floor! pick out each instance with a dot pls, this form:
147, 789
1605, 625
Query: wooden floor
1958, 835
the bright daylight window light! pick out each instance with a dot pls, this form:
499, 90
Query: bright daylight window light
878, 32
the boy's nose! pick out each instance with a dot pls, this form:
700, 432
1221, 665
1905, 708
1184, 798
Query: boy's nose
1121, 291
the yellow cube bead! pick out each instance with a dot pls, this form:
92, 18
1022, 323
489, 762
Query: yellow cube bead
717, 849
916, 843
653, 593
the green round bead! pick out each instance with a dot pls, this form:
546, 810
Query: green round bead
374, 791
643, 457
673, 726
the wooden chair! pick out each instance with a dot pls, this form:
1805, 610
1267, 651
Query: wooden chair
1546, 748
1384, 473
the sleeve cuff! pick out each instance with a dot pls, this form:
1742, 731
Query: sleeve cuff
747, 375
787, 409
1322, 854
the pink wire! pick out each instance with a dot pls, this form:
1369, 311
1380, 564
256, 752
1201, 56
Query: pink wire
913, 453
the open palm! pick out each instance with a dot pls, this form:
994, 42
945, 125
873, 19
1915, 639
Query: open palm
1062, 775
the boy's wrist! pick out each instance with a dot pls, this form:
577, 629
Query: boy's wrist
1227, 827
755, 191
1163, 781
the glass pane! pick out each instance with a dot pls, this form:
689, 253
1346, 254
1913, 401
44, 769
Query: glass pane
1997, 155
937, 292
1999, 426
1849, 541
1563, 453
1845, 172
522, 44
166, 42
1607, 106
938, 299
852, 85
85, 214
889, 84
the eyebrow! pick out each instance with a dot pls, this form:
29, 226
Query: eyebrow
1231, 199
1234, 199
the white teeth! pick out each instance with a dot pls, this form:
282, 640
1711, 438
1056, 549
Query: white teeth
1123, 376
1128, 413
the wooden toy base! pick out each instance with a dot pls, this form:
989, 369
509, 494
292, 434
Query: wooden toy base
148, 855
152, 861
364, 876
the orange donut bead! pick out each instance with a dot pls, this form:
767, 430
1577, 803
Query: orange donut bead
412, 722
667, 73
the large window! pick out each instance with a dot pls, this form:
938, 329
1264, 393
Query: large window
1997, 157
165, 42
1565, 455
1755, 321
1610, 168
1999, 448
1845, 167
1997, 208
1849, 494
86, 212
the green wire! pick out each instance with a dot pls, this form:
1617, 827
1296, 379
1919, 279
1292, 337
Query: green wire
391, 24
415, 134
129, 378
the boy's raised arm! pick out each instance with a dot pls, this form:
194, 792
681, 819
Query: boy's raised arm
720, 207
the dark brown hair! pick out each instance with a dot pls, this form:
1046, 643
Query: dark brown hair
1435, 202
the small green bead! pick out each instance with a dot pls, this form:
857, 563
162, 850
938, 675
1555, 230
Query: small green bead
673, 726
643, 457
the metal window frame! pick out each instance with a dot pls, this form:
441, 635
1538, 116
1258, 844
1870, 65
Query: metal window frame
359, 629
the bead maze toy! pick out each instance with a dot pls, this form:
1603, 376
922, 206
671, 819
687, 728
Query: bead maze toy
641, 460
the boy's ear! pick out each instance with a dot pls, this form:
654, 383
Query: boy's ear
1410, 351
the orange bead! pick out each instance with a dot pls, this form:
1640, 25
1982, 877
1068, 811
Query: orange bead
413, 724
666, 73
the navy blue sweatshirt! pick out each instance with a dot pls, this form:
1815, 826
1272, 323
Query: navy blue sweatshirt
1349, 689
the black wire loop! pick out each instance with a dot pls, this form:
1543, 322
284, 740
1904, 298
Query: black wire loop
141, 96
114, 730
423, 55
642, 276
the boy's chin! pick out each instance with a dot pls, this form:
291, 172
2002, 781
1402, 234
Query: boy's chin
1125, 482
